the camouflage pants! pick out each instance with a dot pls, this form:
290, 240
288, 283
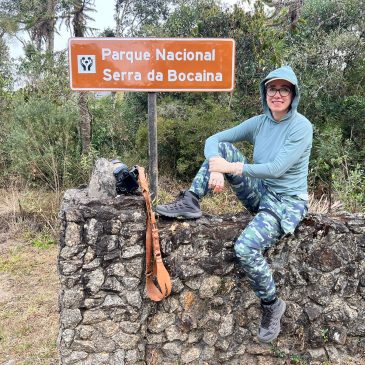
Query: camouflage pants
277, 214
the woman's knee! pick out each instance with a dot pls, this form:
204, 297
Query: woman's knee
245, 254
224, 147
231, 153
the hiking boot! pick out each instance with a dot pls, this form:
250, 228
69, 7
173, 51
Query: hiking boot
270, 322
186, 206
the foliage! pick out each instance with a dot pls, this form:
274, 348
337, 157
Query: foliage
349, 185
138, 17
323, 40
42, 143
181, 135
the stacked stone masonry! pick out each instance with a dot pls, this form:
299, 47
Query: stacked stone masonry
212, 315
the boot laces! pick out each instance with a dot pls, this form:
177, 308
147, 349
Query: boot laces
177, 202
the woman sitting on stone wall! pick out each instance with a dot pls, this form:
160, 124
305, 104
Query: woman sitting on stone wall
274, 186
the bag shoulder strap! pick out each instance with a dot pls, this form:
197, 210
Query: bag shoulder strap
158, 282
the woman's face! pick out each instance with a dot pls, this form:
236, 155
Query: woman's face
278, 103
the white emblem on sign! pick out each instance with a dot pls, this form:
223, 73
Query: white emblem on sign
86, 64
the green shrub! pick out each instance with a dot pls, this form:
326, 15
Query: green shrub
43, 143
181, 140
350, 187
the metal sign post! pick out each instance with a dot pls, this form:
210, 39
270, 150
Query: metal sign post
152, 145
151, 65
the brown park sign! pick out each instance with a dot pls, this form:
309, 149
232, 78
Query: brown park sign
152, 64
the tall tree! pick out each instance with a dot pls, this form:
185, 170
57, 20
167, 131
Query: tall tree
291, 8
76, 15
132, 16
36, 17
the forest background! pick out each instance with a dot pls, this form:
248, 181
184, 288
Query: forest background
50, 136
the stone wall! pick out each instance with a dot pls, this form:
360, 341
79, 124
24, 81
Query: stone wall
212, 316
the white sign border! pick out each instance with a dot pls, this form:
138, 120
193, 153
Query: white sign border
154, 39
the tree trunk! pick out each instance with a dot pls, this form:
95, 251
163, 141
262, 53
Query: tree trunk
85, 123
78, 23
51, 8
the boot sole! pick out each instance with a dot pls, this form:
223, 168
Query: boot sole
276, 334
180, 215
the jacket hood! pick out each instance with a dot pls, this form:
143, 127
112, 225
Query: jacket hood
286, 73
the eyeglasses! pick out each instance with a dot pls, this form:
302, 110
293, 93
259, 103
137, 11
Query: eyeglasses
283, 91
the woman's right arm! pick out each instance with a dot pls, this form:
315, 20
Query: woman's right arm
242, 132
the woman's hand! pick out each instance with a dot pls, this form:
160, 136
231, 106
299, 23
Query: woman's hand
219, 164
216, 182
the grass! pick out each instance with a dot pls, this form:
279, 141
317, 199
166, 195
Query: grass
28, 277
227, 202
28, 304
216, 204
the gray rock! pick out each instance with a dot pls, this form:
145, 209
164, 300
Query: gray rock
160, 322
118, 357
333, 355
210, 286
113, 301
92, 303
313, 311
99, 358
210, 338
155, 339
191, 354
172, 348
84, 345
85, 332
94, 264
89, 255
133, 251
102, 182
174, 333
131, 356
134, 298
135, 267
318, 354
93, 316
72, 298
70, 267
107, 328
68, 336
194, 337
69, 252
227, 325
116, 269
188, 271
222, 344
129, 327
130, 283
70, 318
208, 353
94, 280
73, 234
76, 357
126, 341
112, 284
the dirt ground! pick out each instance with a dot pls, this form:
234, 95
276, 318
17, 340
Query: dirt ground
28, 297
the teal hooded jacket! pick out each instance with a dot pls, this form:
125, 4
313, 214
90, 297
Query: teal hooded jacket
281, 149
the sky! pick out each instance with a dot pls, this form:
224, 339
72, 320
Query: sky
103, 18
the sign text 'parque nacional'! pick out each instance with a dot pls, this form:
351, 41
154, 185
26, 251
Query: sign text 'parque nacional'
152, 64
